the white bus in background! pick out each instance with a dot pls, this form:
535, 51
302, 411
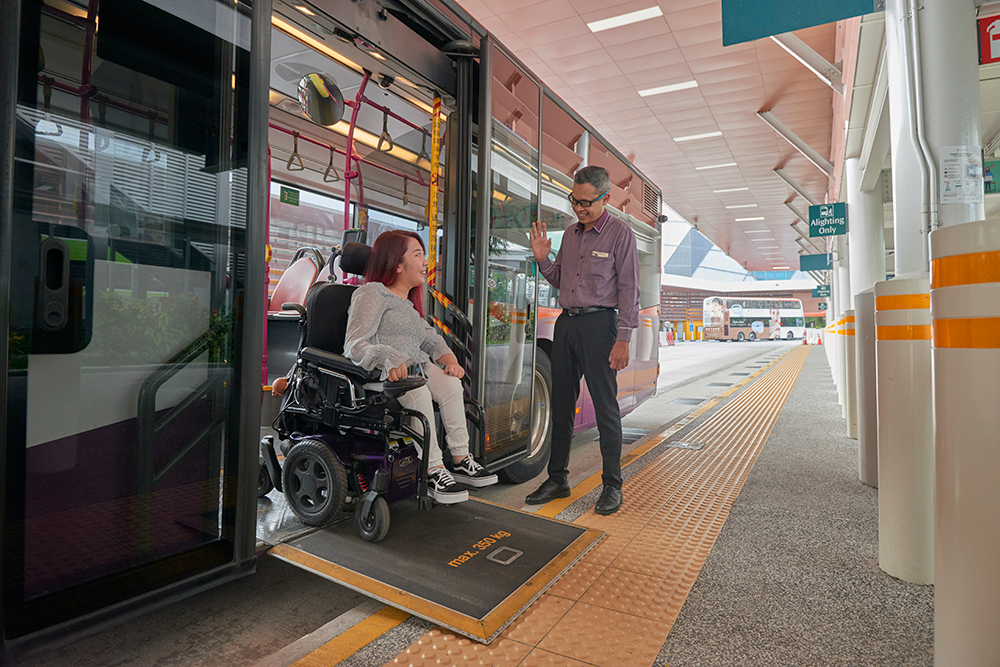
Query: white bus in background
730, 318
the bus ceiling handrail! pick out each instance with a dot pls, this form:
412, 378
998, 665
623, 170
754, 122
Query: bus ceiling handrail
340, 151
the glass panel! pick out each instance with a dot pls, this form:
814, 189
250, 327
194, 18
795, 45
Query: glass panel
130, 165
510, 274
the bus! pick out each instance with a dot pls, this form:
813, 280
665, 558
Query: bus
136, 176
740, 319
487, 297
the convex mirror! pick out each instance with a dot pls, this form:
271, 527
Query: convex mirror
321, 99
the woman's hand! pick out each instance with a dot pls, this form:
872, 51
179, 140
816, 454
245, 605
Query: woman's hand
451, 366
397, 373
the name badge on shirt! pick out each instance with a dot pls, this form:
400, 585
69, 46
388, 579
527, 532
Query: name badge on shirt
599, 254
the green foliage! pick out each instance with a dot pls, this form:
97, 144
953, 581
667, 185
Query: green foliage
134, 332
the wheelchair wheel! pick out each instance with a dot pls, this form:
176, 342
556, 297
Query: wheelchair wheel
375, 526
314, 482
264, 483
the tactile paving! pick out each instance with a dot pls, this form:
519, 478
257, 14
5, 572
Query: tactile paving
607, 638
575, 583
540, 658
616, 606
531, 626
440, 647
636, 594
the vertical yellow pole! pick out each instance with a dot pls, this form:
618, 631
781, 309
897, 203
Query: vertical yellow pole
432, 200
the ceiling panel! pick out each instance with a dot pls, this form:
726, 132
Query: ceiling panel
600, 74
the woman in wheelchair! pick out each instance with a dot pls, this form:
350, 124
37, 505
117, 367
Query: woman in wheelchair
386, 330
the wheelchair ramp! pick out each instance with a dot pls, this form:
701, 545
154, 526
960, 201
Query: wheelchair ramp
471, 567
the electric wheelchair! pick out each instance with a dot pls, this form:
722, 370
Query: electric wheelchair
345, 437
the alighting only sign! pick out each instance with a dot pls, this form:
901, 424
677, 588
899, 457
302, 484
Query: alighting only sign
828, 220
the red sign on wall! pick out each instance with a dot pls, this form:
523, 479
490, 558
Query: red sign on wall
989, 40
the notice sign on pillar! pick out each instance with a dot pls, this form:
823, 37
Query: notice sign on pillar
822, 305
961, 175
828, 220
821, 291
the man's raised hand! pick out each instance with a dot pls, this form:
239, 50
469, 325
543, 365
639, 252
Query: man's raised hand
541, 244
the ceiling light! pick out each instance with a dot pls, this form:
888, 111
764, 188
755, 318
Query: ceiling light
781, 267
717, 166
305, 10
719, 192
692, 137
668, 89
756, 231
763, 240
748, 219
768, 247
743, 206
311, 41
625, 19
378, 55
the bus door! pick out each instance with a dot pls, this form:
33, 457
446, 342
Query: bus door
509, 175
120, 451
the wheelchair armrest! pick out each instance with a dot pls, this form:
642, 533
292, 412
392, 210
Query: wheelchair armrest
400, 387
339, 363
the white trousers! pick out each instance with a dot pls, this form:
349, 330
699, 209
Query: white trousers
447, 391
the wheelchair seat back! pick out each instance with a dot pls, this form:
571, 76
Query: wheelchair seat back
327, 304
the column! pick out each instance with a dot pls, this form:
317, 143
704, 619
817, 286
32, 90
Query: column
902, 336
867, 248
965, 288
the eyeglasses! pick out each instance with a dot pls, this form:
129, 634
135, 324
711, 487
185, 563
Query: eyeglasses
585, 203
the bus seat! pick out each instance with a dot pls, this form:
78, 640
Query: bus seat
294, 283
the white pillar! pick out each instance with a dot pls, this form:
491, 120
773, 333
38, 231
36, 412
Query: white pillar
965, 291
903, 355
850, 376
846, 297
867, 249
965, 294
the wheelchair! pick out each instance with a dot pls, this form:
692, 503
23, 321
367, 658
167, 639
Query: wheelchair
345, 437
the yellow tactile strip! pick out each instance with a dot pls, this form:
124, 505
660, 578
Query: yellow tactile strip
616, 606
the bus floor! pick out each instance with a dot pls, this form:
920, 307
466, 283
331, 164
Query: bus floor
733, 554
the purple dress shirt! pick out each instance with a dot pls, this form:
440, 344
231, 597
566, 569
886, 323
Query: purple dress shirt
599, 267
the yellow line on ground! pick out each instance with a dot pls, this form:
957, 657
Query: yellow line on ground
554, 507
354, 639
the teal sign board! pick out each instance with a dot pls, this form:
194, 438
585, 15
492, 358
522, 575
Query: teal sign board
747, 20
822, 305
822, 290
828, 220
814, 262
289, 196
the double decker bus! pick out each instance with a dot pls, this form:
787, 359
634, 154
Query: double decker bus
740, 319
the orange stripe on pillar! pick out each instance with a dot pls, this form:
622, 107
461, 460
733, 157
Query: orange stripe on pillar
903, 302
971, 269
903, 332
971, 333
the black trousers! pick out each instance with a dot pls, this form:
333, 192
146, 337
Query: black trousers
580, 348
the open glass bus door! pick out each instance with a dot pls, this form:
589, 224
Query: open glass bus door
126, 277
508, 180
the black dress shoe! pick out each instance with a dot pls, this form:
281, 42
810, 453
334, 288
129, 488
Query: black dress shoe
549, 490
609, 502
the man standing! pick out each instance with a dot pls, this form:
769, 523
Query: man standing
597, 273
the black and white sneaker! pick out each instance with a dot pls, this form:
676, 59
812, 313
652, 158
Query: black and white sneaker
443, 487
467, 471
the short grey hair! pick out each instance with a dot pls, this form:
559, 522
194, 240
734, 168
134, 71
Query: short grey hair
596, 176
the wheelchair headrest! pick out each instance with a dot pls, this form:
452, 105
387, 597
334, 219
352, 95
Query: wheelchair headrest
354, 258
